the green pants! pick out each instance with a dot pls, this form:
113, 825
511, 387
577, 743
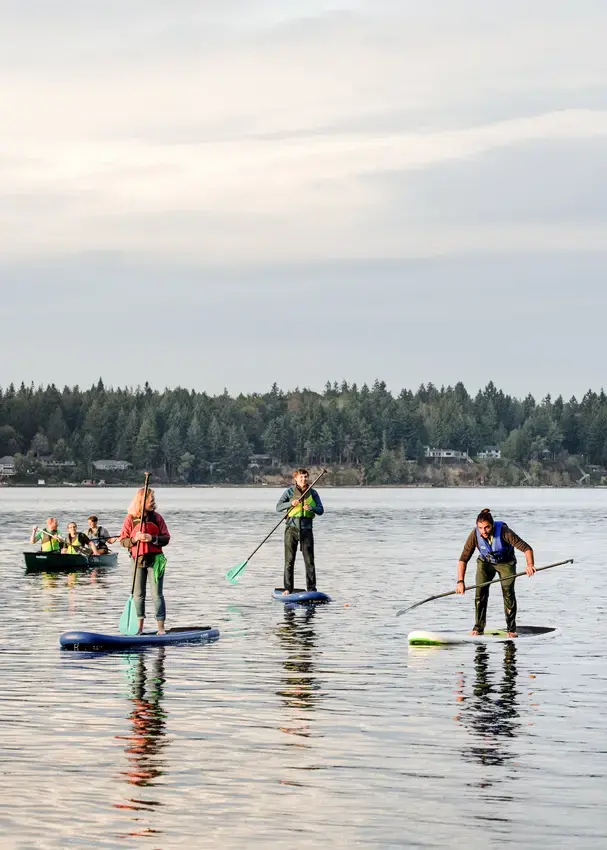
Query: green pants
486, 572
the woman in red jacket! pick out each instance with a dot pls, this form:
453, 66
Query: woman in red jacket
152, 534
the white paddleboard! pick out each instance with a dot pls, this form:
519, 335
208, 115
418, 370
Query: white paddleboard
449, 638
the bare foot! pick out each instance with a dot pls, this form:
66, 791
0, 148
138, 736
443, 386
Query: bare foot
159, 632
475, 633
512, 634
286, 592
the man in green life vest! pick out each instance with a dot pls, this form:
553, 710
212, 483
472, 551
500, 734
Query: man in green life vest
50, 538
298, 531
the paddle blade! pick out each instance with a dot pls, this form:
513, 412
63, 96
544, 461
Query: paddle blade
129, 622
232, 575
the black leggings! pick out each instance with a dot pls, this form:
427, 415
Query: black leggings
292, 539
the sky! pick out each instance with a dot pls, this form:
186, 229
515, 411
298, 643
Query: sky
233, 194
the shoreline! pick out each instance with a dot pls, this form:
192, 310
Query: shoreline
422, 486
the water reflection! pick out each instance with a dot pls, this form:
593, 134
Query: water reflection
145, 745
95, 575
491, 713
300, 689
49, 582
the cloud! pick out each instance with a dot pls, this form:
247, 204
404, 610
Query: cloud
253, 131
255, 200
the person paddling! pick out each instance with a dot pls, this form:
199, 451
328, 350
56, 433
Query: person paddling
298, 531
496, 544
153, 535
50, 537
99, 535
77, 543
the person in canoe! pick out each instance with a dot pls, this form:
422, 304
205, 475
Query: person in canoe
50, 537
77, 543
298, 531
99, 535
148, 528
496, 544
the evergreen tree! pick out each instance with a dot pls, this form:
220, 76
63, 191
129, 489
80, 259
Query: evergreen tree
127, 432
366, 427
145, 451
172, 449
56, 428
237, 451
88, 452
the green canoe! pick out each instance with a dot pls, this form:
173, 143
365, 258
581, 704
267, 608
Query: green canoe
40, 562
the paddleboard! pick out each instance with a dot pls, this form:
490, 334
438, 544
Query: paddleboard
300, 597
449, 638
87, 641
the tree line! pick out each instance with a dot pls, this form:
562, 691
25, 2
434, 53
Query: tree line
194, 437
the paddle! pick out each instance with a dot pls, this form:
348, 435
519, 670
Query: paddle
129, 621
484, 584
232, 575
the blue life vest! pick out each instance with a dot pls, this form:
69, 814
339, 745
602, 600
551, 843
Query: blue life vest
501, 552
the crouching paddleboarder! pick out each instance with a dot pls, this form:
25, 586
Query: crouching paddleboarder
146, 526
298, 531
496, 544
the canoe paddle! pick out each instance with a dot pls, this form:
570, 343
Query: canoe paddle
484, 584
54, 536
232, 575
129, 621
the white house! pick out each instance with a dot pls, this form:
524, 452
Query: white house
490, 453
446, 454
111, 465
7, 465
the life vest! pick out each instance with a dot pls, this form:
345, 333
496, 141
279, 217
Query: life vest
498, 553
50, 544
148, 527
300, 510
74, 546
100, 543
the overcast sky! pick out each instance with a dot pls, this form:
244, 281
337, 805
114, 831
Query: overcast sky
230, 194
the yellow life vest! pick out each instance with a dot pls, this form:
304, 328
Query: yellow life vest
75, 547
49, 544
300, 510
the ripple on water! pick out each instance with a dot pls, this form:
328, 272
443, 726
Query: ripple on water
306, 727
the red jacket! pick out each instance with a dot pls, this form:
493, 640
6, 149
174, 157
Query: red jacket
154, 524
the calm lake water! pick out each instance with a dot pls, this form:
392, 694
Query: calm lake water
299, 729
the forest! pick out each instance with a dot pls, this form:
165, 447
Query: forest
364, 434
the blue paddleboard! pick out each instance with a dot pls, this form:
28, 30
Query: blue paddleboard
93, 641
300, 597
